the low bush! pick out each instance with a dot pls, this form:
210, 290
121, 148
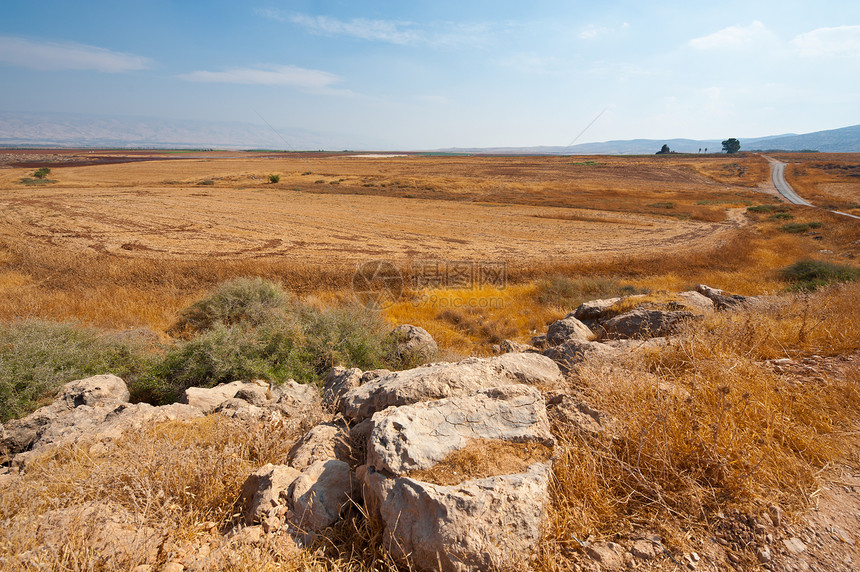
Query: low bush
798, 227
274, 178
769, 209
812, 274
42, 172
37, 358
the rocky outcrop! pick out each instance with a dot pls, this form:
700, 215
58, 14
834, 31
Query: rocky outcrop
481, 524
419, 436
594, 309
571, 353
339, 381
568, 328
442, 380
262, 490
645, 323
721, 300
323, 442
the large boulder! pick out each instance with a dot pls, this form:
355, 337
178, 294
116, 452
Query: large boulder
320, 493
695, 302
568, 328
645, 323
440, 380
482, 524
93, 391
86, 401
415, 437
413, 344
262, 490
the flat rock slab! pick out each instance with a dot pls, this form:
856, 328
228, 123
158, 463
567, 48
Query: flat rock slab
416, 437
441, 380
483, 524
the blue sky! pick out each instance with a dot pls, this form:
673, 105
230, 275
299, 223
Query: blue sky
423, 75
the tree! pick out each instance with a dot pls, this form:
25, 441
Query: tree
663, 150
731, 145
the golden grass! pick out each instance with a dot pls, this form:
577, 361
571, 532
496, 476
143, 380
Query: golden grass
733, 435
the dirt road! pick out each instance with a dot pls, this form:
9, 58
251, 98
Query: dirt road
777, 169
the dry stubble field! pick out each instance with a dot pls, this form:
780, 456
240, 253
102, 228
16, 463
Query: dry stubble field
125, 244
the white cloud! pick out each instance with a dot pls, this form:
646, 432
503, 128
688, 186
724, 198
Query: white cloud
49, 56
401, 33
268, 75
592, 31
841, 40
733, 37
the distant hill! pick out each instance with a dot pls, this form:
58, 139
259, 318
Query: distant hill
80, 130
77, 130
844, 140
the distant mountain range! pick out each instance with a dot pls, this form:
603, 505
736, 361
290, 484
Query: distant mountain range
844, 140
71, 130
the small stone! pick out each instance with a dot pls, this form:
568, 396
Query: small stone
643, 550
608, 554
794, 545
173, 567
763, 554
775, 514
272, 524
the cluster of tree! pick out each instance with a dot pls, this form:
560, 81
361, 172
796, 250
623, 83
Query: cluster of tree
730, 145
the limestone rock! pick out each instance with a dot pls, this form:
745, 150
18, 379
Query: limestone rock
568, 328
510, 346
696, 302
481, 524
569, 412
571, 352
594, 309
93, 391
539, 341
323, 442
254, 394
320, 493
415, 437
209, 398
262, 490
338, 382
413, 344
97, 395
645, 323
440, 380
721, 300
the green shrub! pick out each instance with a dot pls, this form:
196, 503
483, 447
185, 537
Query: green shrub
38, 357
807, 275
565, 292
243, 300
206, 182
769, 209
798, 227
274, 178
41, 173
782, 216
250, 328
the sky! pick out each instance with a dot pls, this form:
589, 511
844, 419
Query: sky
405, 75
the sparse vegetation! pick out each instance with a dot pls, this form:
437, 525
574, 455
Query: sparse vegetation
274, 179
42, 173
799, 227
812, 274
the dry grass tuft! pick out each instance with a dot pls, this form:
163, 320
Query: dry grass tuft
483, 458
